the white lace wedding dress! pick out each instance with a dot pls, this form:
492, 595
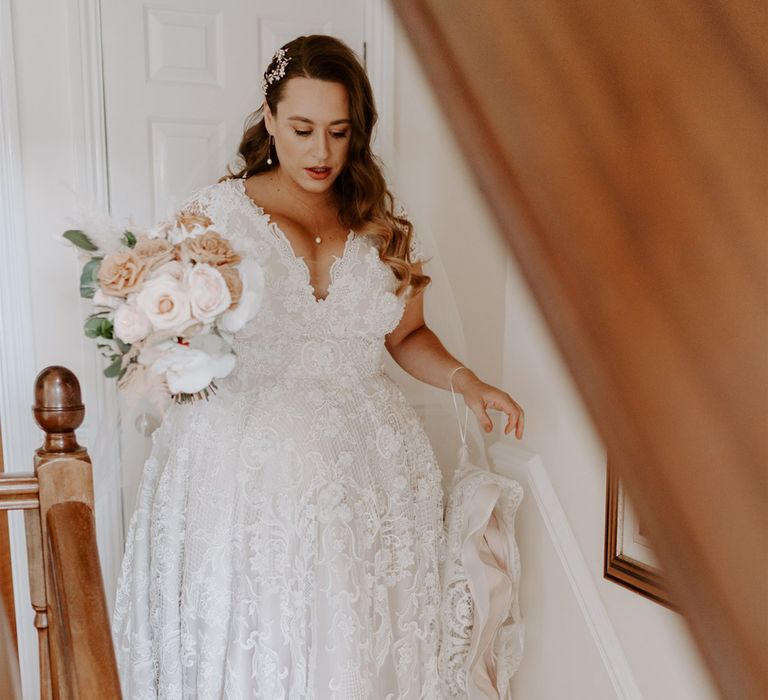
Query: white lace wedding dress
286, 535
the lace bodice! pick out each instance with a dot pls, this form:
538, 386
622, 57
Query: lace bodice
296, 335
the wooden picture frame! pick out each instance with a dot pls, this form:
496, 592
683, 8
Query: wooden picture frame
629, 559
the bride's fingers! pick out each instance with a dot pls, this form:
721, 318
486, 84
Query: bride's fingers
515, 415
483, 418
514, 422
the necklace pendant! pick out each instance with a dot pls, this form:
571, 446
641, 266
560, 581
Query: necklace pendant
318, 240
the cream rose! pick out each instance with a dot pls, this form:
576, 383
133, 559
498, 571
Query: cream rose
173, 268
209, 248
190, 221
131, 324
187, 225
208, 292
234, 282
153, 251
121, 273
165, 301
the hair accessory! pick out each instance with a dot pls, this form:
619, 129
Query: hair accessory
276, 73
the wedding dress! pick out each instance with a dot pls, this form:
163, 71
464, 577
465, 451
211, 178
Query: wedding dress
288, 533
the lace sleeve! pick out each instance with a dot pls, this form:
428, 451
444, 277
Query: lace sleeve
416, 249
196, 203
190, 210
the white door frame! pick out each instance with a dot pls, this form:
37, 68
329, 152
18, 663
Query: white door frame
17, 344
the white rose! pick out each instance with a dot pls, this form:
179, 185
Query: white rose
165, 301
188, 370
101, 299
210, 343
131, 324
250, 300
208, 292
173, 268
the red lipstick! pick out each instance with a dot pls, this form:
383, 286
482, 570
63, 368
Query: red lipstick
318, 174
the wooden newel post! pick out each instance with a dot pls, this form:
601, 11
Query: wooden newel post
77, 658
59, 411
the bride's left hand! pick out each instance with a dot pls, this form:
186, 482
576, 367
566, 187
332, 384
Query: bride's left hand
480, 396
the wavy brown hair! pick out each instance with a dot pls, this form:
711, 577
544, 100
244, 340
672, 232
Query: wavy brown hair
365, 202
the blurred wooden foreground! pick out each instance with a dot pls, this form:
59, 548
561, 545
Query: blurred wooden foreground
622, 147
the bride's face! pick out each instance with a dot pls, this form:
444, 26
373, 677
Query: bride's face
311, 129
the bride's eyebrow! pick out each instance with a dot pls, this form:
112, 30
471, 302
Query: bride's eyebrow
309, 121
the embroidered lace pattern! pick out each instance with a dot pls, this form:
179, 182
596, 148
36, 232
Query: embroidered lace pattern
288, 533
465, 629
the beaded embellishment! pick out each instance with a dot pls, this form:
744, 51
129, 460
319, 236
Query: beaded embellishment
276, 73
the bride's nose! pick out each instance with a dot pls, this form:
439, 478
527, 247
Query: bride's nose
320, 146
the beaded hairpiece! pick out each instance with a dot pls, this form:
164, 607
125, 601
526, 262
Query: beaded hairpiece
276, 73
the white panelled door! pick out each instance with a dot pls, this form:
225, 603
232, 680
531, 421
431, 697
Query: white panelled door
180, 78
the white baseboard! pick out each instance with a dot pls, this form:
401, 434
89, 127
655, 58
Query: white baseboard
527, 468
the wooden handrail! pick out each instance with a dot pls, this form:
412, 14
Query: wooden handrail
79, 601
622, 150
77, 657
10, 683
18, 491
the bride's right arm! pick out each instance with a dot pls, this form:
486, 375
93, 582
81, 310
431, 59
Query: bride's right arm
418, 350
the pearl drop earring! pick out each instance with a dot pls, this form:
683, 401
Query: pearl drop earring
269, 157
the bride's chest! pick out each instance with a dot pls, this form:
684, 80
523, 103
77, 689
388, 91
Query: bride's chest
360, 299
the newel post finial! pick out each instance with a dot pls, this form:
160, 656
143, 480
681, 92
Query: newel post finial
58, 409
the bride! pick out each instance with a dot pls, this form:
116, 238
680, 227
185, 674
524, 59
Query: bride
287, 532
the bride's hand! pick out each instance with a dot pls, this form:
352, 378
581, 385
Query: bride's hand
480, 396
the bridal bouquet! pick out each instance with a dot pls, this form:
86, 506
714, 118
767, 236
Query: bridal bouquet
167, 302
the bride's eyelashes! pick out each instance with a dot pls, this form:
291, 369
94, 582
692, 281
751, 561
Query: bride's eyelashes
335, 134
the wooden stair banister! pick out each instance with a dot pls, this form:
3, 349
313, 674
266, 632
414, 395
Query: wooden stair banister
622, 149
10, 682
77, 658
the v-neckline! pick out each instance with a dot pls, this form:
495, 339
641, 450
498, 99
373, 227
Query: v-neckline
290, 253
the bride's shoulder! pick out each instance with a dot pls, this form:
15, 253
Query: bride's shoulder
210, 198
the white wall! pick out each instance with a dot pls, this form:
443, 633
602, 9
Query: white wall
45, 127
509, 344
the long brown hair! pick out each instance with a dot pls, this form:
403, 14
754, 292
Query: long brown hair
365, 202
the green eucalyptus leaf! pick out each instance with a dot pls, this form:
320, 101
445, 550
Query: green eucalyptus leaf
89, 278
79, 239
90, 273
91, 327
129, 239
96, 327
115, 369
107, 329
